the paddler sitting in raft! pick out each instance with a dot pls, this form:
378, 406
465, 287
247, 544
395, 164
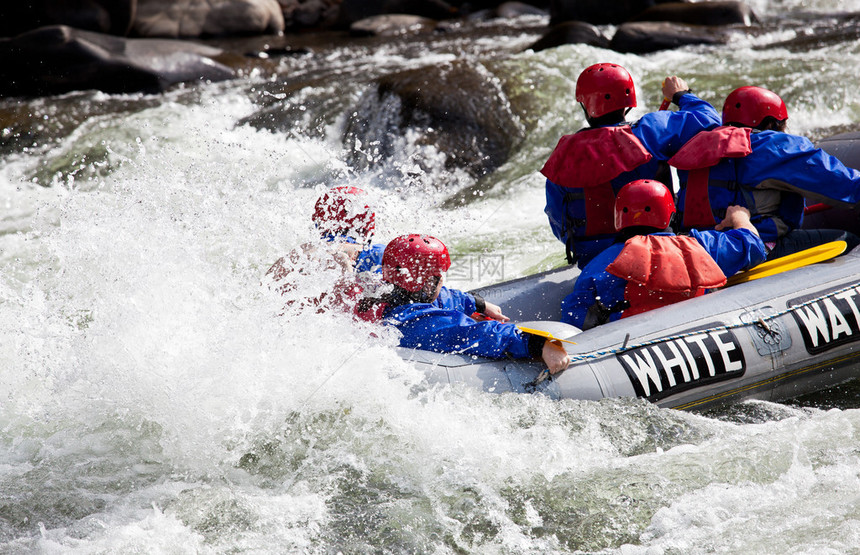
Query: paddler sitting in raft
588, 168
649, 266
346, 225
431, 316
751, 161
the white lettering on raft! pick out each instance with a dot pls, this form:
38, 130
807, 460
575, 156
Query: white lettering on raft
830, 321
668, 366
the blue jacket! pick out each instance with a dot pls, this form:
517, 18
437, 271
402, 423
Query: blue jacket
774, 178
445, 327
370, 259
732, 250
662, 134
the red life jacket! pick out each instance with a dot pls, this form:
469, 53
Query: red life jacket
704, 150
590, 159
661, 270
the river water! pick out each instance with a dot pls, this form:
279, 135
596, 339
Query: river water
155, 397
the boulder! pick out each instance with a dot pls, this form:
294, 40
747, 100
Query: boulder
645, 37
103, 16
819, 33
309, 14
516, 9
207, 18
701, 13
571, 32
391, 25
355, 10
459, 108
598, 12
59, 59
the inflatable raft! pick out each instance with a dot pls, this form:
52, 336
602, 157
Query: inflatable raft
773, 339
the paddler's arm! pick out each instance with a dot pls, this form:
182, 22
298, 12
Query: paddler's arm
734, 244
469, 303
550, 352
737, 217
491, 310
663, 133
674, 86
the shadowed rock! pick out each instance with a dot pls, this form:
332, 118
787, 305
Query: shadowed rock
701, 13
644, 37
207, 18
54, 60
823, 30
103, 16
571, 32
310, 13
598, 12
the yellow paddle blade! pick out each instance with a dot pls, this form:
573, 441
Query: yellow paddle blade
544, 334
790, 262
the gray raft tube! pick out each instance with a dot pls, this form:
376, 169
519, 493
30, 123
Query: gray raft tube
775, 338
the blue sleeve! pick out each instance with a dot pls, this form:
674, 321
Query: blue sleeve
450, 331
594, 282
663, 133
733, 249
370, 259
798, 166
454, 299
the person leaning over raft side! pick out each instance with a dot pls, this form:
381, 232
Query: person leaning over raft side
346, 225
431, 316
343, 218
751, 161
649, 267
587, 168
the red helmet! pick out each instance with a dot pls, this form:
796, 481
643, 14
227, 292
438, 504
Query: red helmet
603, 88
644, 202
410, 260
341, 211
748, 106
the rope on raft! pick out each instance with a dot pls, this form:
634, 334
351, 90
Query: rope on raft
761, 321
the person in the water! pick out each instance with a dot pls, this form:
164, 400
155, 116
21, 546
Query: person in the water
751, 161
431, 316
346, 224
649, 266
588, 168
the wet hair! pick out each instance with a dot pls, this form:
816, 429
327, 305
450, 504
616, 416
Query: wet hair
769, 123
611, 118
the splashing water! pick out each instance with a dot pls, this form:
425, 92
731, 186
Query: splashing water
158, 397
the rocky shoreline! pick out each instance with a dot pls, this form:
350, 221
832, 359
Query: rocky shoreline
436, 101
150, 45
